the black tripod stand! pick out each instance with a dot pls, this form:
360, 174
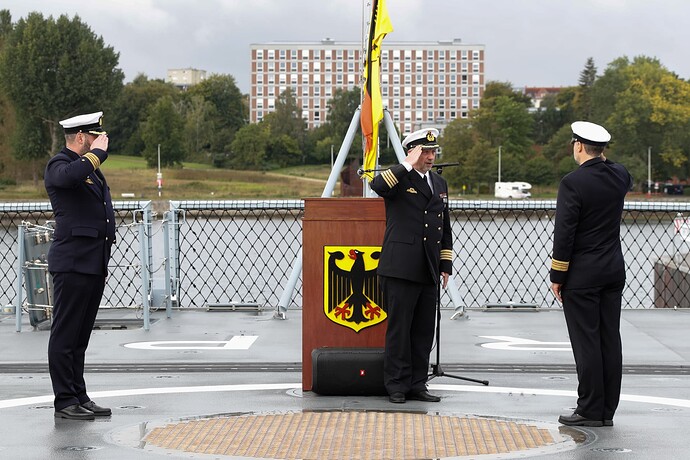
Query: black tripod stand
436, 369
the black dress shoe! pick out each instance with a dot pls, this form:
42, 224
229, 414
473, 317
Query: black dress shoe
96, 409
75, 412
398, 397
423, 396
578, 420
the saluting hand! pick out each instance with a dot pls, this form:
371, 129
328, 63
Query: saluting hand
413, 157
101, 142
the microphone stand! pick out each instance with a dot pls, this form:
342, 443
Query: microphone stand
436, 369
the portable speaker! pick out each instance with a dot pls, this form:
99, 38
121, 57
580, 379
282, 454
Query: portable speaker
347, 371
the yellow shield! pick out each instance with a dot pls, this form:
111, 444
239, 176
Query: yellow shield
352, 296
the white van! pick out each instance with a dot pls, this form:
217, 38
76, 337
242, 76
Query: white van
512, 190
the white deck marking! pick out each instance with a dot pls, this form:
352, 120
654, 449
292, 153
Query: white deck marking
8, 403
238, 342
521, 344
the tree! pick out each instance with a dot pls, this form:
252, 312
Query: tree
129, 111
248, 148
52, 69
496, 89
199, 129
164, 126
645, 105
583, 99
287, 120
230, 110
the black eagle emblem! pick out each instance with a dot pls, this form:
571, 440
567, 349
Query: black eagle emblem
354, 298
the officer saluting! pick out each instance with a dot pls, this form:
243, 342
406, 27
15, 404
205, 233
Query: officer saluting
78, 258
416, 254
588, 272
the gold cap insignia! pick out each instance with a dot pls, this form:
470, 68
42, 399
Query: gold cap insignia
430, 136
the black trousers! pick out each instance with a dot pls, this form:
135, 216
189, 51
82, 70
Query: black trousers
593, 319
76, 301
409, 334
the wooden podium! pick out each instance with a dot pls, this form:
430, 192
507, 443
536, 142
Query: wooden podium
334, 222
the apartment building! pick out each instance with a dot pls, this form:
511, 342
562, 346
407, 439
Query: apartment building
184, 78
422, 83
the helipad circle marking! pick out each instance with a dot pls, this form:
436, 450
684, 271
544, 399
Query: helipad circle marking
36, 400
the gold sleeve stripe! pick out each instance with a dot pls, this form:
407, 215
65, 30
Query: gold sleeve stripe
93, 159
559, 265
390, 178
446, 254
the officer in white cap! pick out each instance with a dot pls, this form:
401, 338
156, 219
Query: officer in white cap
78, 258
416, 255
588, 272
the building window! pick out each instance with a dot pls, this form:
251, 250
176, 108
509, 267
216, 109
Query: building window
281, 79
408, 55
293, 54
271, 54
259, 54
475, 67
396, 55
464, 55
271, 103
328, 54
475, 55
282, 55
305, 54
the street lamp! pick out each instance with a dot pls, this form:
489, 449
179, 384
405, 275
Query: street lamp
499, 163
159, 175
649, 171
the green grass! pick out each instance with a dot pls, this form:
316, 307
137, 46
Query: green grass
193, 181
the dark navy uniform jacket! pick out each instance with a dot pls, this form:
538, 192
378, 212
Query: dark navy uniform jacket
417, 244
83, 210
587, 246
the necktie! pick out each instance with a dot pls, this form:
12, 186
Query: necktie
426, 182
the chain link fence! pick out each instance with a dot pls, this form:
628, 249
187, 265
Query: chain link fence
218, 252
124, 285
243, 251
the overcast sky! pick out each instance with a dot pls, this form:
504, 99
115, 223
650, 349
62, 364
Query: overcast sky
528, 42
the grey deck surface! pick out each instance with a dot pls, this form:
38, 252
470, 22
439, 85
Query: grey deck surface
528, 364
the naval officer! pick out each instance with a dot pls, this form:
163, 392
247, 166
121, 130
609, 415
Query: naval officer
78, 258
416, 254
588, 272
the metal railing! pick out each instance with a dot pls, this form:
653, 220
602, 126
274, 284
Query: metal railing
128, 283
243, 251
216, 252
